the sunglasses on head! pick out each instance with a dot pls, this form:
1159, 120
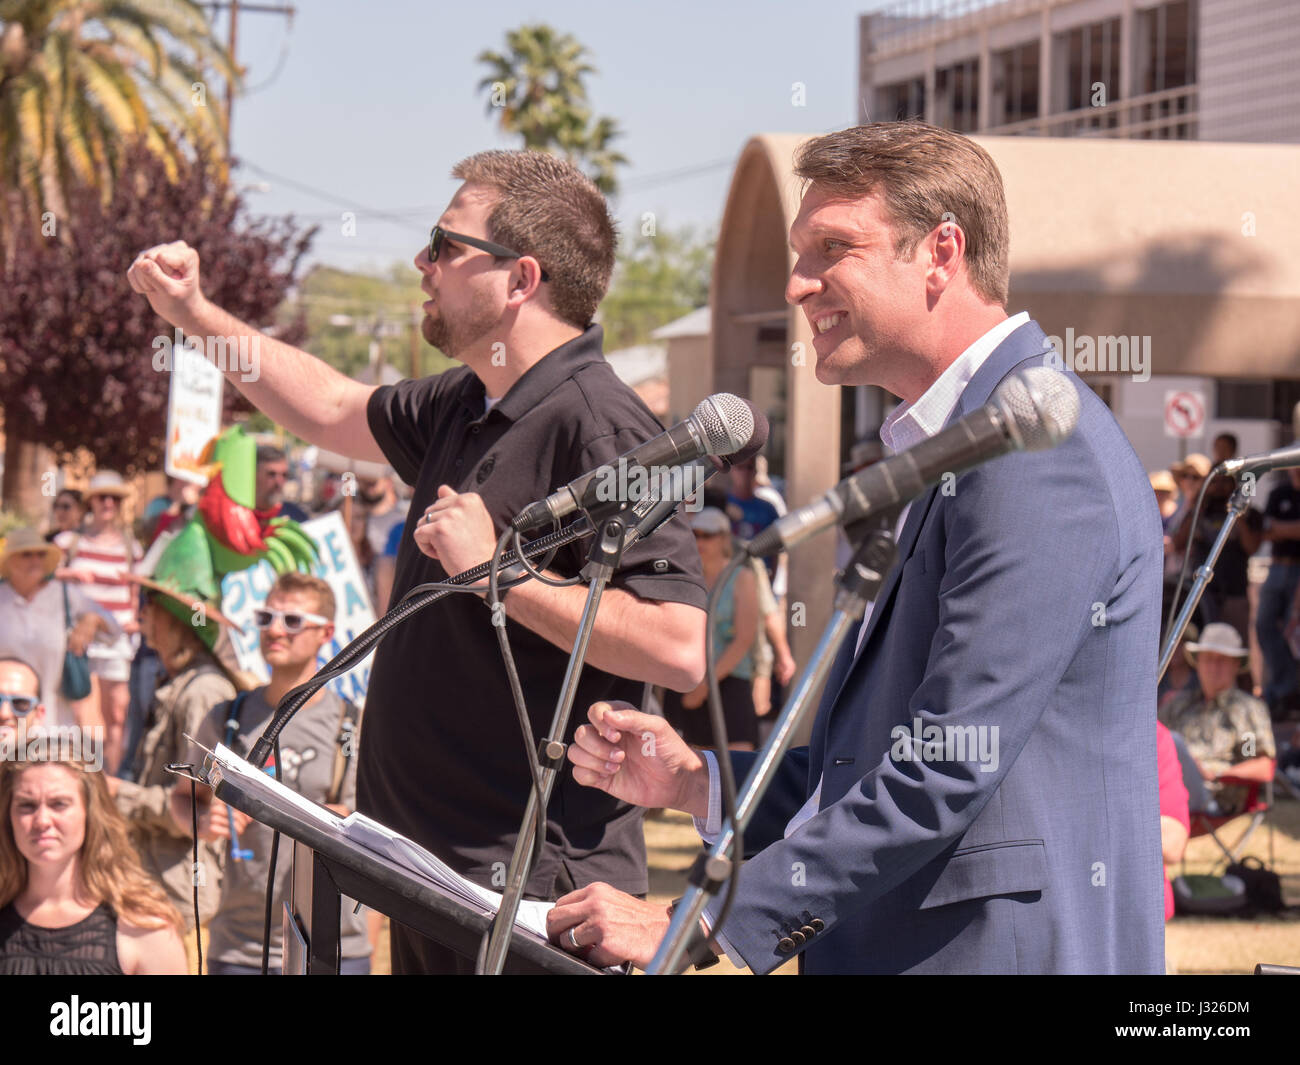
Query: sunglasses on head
293, 621
22, 704
439, 235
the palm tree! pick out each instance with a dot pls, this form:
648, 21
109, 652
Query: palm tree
537, 90
82, 79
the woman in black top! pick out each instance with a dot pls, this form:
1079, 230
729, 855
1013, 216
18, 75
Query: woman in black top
74, 899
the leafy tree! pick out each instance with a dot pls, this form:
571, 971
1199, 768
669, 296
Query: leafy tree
80, 80
78, 348
658, 277
536, 88
346, 312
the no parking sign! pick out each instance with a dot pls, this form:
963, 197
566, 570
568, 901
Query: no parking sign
1184, 413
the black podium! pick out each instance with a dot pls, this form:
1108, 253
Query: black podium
326, 867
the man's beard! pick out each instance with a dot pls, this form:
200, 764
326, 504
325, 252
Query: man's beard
453, 337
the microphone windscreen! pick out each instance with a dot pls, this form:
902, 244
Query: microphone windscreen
757, 441
1040, 405
726, 421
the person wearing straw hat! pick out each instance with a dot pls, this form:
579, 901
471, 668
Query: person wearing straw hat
182, 624
1227, 731
103, 553
1166, 490
41, 618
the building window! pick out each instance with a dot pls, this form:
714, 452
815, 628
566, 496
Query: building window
1015, 85
1090, 58
1165, 49
956, 96
1164, 55
899, 102
1243, 399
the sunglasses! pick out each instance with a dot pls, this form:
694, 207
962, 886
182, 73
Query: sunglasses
438, 235
22, 704
104, 498
294, 623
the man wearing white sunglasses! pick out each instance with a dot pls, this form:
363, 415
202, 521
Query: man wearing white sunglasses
20, 695
317, 752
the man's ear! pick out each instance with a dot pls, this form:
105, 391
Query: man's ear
525, 278
947, 245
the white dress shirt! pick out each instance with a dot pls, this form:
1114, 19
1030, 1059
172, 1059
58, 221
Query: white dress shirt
906, 426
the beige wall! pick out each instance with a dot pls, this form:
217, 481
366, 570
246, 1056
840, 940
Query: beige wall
690, 375
750, 272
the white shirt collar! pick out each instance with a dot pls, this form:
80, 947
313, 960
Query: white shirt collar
909, 424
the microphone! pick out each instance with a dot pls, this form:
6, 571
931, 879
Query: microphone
722, 425
651, 511
1281, 459
1033, 410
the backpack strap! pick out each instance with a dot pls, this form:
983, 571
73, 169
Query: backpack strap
232, 722
344, 748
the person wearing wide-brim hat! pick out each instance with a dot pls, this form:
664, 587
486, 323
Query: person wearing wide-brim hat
1226, 730
42, 618
104, 550
1166, 490
182, 623
1219, 639
109, 483
1194, 466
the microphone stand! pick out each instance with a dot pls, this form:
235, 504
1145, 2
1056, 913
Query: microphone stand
602, 560
415, 600
1204, 574
859, 584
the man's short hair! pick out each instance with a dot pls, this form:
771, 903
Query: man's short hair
8, 658
305, 582
547, 208
926, 176
1230, 439
270, 453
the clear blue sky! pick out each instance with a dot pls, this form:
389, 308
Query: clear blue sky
374, 102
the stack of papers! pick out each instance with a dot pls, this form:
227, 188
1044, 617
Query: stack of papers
359, 829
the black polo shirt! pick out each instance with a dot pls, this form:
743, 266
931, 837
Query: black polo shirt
442, 760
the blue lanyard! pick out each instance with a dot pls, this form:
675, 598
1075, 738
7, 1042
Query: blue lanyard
232, 730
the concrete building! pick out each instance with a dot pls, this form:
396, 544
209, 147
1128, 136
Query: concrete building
1218, 70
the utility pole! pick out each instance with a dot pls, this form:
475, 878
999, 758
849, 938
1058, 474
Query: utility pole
235, 7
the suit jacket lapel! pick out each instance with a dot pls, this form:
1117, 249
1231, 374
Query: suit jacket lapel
906, 545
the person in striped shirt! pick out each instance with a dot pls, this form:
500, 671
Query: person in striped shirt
102, 555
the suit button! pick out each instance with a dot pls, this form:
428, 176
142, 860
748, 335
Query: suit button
799, 938
809, 931
785, 946
817, 924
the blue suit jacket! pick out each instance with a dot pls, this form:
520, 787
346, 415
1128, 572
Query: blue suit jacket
1023, 615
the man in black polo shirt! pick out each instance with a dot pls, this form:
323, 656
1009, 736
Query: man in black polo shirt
534, 406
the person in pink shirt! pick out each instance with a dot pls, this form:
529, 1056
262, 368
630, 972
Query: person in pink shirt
1175, 823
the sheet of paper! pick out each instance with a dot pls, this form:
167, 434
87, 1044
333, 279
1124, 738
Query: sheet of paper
374, 837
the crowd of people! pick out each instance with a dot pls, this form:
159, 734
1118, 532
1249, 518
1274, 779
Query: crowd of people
89, 644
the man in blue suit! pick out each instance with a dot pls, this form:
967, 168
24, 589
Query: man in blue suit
979, 795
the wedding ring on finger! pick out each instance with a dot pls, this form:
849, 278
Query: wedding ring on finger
573, 939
